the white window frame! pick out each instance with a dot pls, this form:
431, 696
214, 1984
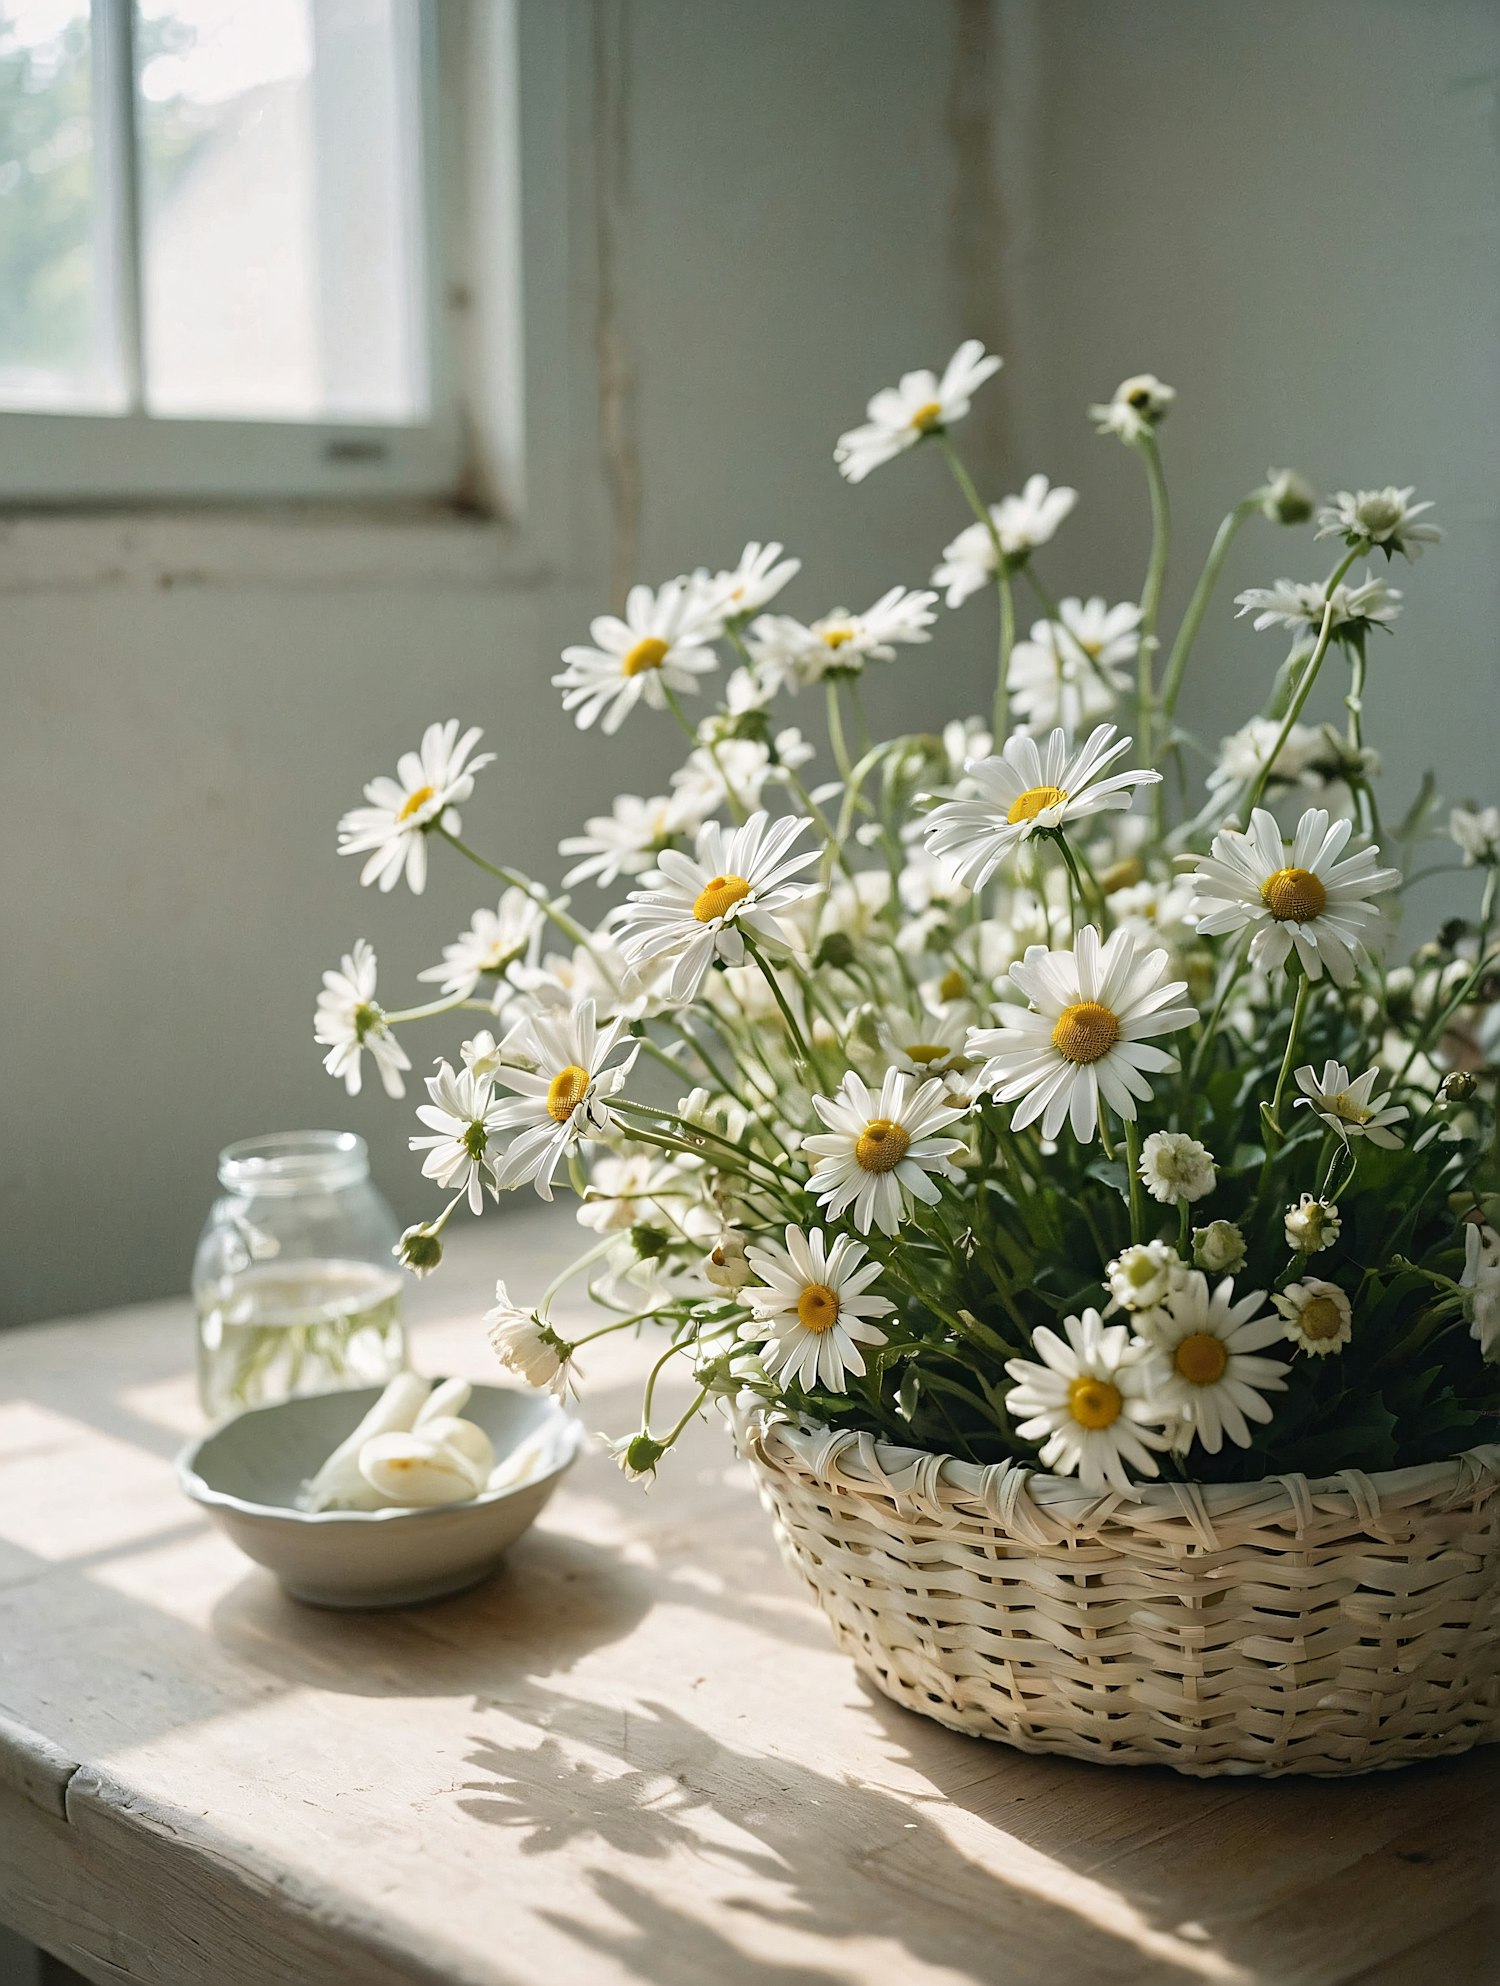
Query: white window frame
89, 458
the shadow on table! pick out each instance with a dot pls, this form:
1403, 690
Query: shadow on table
822, 1858
1105, 1865
553, 1600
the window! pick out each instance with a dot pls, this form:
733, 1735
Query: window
217, 269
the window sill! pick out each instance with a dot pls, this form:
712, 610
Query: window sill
287, 545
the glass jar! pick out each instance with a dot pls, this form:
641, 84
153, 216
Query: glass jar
294, 1280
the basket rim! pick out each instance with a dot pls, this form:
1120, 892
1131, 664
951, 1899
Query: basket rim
862, 1465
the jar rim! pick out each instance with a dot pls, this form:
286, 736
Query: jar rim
292, 1161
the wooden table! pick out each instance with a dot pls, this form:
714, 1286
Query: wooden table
633, 1755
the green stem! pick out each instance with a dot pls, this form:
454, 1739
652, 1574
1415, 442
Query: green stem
426, 1013
592, 1255
1001, 718
685, 724
836, 728
1192, 620
1133, 1171
1299, 1002
1156, 574
1308, 677
799, 1040
567, 925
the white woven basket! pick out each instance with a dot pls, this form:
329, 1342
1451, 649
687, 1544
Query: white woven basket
1280, 1626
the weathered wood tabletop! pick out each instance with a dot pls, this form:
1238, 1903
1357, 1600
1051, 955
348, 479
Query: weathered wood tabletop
632, 1755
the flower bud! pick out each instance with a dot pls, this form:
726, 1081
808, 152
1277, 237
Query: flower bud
1458, 1087
1311, 1225
1218, 1248
837, 949
727, 1266
637, 1455
1287, 497
420, 1249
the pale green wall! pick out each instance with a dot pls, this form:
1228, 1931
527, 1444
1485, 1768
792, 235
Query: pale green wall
1291, 212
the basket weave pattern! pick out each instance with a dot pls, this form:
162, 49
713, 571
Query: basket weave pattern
1273, 1627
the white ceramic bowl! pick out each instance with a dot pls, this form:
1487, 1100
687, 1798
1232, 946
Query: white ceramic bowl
247, 1475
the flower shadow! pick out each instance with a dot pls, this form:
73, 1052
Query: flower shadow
835, 1863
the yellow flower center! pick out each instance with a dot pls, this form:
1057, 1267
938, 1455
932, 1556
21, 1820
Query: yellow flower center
1293, 895
927, 1051
952, 985
413, 801
566, 1091
1345, 1108
1201, 1358
648, 653
719, 896
835, 637
818, 1308
927, 416
881, 1145
1035, 800
1085, 1032
1094, 1402
1321, 1318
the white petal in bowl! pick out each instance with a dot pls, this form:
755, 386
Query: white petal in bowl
248, 1475
418, 1471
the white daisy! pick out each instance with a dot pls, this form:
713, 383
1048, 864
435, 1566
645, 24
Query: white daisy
596, 971
1087, 1035
1021, 523
403, 811
814, 1309
493, 943
1475, 831
1087, 1403
1244, 752
879, 1151
561, 1096
925, 1043
1203, 1366
1139, 1277
1176, 1167
787, 652
752, 584
901, 416
463, 1118
1300, 605
1027, 790
1075, 668
1312, 1225
348, 1021
1380, 517
707, 904
1317, 1316
1481, 1278
1219, 1248
1303, 898
741, 767
528, 1347
627, 840
661, 645
1139, 405
1350, 1108
620, 1189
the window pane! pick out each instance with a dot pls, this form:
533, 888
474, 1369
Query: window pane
281, 263
56, 342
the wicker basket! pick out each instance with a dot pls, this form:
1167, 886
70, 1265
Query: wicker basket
1281, 1626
